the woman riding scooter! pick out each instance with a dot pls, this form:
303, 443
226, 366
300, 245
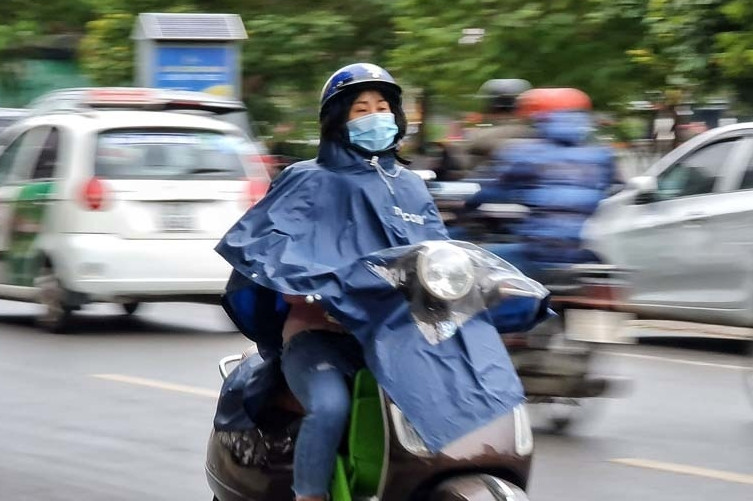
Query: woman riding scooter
289, 289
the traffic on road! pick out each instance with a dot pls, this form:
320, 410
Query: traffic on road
576, 334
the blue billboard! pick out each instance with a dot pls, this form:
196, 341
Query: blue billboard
204, 69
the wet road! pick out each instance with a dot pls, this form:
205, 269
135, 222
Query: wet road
121, 411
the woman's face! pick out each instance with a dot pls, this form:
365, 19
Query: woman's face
368, 102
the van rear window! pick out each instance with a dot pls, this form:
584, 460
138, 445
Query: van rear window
171, 154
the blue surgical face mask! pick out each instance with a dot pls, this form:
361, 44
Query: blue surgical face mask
374, 132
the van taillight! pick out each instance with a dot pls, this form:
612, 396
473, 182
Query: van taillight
94, 194
255, 191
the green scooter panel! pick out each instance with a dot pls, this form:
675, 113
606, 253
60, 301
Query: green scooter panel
360, 475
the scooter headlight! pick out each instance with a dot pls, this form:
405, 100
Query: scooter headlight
445, 271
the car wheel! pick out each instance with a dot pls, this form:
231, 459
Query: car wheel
130, 308
57, 314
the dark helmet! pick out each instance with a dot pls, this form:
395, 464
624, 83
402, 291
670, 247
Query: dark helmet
355, 76
500, 93
344, 86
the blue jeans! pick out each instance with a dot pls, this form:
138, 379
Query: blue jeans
316, 365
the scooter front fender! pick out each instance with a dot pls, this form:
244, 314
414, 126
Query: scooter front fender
477, 488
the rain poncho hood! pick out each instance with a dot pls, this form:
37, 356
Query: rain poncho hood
567, 127
310, 236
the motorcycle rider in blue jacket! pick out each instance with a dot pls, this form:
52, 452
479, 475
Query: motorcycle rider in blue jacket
560, 176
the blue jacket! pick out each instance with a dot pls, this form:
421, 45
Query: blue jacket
561, 178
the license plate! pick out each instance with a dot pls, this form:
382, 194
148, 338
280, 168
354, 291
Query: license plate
177, 217
598, 326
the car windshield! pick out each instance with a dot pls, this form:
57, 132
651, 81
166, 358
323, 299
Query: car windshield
170, 154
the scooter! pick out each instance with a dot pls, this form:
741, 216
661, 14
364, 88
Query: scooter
556, 371
382, 457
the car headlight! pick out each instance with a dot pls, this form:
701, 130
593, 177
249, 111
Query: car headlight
445, 271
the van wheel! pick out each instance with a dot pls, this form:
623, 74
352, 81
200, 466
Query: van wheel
130, 308
57, 315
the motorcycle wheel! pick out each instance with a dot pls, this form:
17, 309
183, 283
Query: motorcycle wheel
478, 488
563, 415
560, 415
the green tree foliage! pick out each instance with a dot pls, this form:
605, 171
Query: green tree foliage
290, 43
292, 46
735, 47
106, 52
612, 49
678, 50
48, 17
579, 43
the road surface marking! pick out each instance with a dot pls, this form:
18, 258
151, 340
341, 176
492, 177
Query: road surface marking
678, 361
683, 469
192, 390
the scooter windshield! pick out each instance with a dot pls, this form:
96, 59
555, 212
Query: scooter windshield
449, 282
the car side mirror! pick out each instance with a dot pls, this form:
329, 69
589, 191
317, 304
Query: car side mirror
645, 188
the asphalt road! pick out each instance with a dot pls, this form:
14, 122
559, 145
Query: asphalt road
122, 410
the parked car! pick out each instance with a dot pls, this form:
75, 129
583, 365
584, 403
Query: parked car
120, 206
685, 229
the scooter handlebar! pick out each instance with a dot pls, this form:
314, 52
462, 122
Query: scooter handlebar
226, 361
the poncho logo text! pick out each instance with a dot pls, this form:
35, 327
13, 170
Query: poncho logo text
408, 218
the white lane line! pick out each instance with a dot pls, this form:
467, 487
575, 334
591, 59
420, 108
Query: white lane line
678, 361
151, 383
727, 476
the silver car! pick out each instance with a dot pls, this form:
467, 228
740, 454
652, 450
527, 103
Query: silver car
686, 229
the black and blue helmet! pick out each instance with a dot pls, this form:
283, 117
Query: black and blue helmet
344, 86
355, 76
